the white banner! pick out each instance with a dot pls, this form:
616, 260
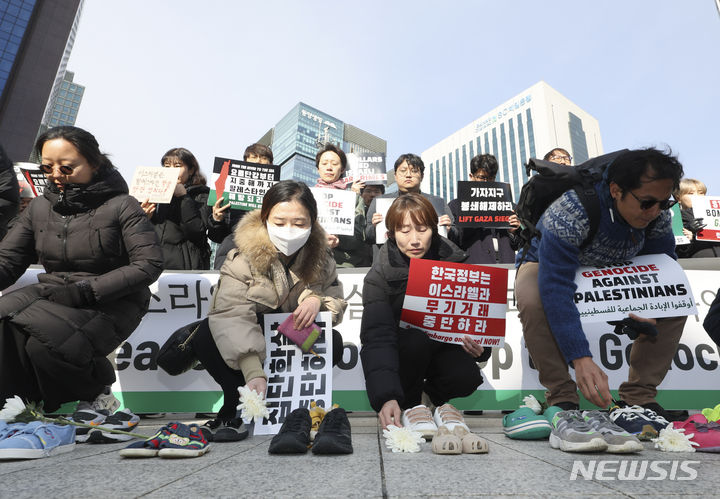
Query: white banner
336, 210
154, 183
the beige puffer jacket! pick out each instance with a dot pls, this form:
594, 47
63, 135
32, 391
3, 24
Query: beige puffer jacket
254, 281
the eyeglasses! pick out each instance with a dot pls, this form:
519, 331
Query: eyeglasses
559, 158
646, 204
405, 171
64, 169
481, 178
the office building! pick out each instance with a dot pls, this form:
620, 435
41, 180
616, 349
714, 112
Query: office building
36, 37
297, 137
64, 103
526, 126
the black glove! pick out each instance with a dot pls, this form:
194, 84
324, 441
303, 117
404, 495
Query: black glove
78, 295
633, 328
697, 225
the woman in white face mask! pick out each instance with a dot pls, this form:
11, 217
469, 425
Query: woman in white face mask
281, 264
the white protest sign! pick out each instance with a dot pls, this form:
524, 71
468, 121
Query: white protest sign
382, 205
707, 208
295, 378
336, 210
154, 183
650, 286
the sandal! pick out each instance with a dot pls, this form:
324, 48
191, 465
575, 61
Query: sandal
446, 442
471, 443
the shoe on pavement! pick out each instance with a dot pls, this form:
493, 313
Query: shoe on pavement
447, 415
524, 424
183, 441
704, 433
106, 401
89, 416
232, 430
639, 421
123, 420
669, 415
618, 440
420, 419
571, 433
36, 440
9, 429
334, 435
294, 434
148, 447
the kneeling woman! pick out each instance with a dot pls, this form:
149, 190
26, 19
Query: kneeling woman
400, 364
281, 264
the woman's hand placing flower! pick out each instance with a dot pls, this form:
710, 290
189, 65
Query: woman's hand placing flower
305, 313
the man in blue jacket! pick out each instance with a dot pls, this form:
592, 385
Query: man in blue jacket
634, 197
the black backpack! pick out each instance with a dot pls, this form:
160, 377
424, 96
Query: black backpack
550, 182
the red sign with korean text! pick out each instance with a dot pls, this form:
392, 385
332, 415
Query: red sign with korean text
451, 300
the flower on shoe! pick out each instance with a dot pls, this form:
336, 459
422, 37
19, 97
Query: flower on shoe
12, 409
252, 405
402, 439
674, 440
532, 403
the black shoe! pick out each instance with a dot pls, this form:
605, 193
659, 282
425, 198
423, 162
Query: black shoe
233, 430
671, 416
208, 429
294, 435
567, 406
333, 436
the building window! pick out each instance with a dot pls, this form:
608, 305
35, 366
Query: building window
531, 134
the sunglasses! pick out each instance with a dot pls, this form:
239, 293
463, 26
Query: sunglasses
646, 204
64, 169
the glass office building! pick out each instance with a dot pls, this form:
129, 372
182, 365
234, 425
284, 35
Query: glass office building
63, 108
14, 18
297, 137
526, 126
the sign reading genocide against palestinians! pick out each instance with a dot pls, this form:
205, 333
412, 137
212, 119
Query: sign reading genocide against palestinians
707, 208
154, 183
336, 210
367, 167
295, 378
32, 177
677, 226
240, 183
651, 286
484, 204
451, 300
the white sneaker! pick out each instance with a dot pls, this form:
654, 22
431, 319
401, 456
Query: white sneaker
105, 401
419, 418
448, 415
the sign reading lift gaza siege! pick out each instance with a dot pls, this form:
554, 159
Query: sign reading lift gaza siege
242, 184
651, 286
484, 204
451, 300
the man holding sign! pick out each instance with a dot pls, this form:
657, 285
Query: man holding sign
634, 198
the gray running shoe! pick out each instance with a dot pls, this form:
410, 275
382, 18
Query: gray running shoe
618, 440
571, 433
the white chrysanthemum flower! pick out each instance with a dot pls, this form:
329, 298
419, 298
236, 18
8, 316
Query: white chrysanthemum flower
531, 402
252, 405
674, 440
13, 407
402, 439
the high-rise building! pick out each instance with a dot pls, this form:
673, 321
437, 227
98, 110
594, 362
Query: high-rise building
526, 126
64, 103
297, 137
36, 37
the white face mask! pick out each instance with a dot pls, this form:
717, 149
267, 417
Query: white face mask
288, 240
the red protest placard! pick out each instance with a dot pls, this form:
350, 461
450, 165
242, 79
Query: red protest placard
451, 300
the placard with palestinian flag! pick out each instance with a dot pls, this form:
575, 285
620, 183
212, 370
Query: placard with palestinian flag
240, 183
451, 300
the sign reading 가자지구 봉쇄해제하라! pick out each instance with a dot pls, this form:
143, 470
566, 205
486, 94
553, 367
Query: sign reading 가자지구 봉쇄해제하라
155, 184
484, 204
336, 210
707, 208
651, 286
240, 183
451, 300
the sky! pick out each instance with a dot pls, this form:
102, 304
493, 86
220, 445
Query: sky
214, 76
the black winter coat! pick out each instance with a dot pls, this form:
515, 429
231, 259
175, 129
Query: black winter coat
181, 227
383, 295
97, 233
9, 193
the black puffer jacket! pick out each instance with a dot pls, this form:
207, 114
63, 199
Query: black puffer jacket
96, 233
383, 295
181, 227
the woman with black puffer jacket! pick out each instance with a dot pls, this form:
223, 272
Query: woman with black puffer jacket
99, 253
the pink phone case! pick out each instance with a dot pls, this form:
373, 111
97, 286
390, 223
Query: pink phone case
304, 338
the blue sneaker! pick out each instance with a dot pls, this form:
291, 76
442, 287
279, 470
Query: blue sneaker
7, 430
38, 440
524, 424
